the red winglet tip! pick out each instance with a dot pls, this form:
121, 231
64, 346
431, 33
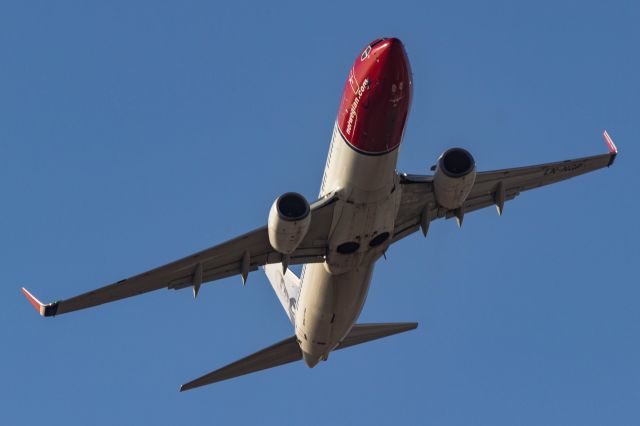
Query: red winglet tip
32, 299
612, 147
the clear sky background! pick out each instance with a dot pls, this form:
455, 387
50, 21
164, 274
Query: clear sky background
134, 133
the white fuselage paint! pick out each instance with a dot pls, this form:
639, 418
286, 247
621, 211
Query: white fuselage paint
333, 293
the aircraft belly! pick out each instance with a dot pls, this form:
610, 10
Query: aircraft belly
332, 293
329, 305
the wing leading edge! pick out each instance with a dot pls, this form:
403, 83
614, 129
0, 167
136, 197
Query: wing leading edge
418, 206
238, 256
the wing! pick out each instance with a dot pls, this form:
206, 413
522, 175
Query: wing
418, 206
240, 255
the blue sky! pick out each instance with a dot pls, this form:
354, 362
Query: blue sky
133, 133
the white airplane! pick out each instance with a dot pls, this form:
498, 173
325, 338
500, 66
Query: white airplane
364, 206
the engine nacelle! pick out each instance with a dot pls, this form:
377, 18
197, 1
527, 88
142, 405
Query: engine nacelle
454, 177
289, 220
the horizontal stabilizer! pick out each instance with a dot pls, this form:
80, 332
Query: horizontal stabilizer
281, 353
361, 333
288, 351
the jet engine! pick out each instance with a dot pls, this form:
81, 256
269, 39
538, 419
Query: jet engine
289, 220
454, 177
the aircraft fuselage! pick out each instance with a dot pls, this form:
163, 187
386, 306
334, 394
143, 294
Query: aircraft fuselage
361, 168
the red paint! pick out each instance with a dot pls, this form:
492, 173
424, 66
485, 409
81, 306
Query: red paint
35, 302
376, 98
612, 146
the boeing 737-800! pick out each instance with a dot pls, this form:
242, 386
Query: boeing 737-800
364, 206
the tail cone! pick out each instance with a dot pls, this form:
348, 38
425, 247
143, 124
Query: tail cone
310, 360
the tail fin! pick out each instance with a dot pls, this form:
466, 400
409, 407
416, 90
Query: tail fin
287, 287
288, 351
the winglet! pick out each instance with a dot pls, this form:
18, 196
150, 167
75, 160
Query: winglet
47, 310
613, 150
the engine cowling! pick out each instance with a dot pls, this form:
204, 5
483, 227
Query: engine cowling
454, 177
289, 220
